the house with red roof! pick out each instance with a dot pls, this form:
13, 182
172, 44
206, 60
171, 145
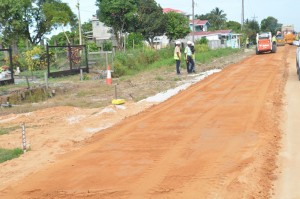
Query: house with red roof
167, 10
200, 25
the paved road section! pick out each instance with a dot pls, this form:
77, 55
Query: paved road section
217, 139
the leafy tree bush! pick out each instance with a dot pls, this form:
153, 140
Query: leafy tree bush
32, 58
92, 46
203, 40
134, 40
176, 26
107, 45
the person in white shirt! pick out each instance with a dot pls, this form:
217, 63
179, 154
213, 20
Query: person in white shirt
188, 57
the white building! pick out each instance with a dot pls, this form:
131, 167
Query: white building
102, 33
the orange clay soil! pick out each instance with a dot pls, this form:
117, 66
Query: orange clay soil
218, 139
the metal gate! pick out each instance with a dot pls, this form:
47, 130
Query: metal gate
66, 60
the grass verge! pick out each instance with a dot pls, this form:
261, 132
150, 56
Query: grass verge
8, 130
8, 154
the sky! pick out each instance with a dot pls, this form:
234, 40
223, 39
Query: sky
285, 11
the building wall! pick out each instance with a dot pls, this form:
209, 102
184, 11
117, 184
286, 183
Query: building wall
100, 31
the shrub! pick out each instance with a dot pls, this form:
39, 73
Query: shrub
32, 58
92, 46
203, 40
107, 45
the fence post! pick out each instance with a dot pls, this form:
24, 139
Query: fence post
70, 55
81, 75
48, 59
24, 144
11, 65
86, 58
106, 57
46, 80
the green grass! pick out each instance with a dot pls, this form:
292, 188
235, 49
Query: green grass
159, 78
208, 56
8, 130
8, 154
150, 59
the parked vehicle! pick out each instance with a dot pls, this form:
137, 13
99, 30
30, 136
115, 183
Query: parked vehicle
280, 40
264, 43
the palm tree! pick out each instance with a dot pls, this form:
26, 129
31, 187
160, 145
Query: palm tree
217, 18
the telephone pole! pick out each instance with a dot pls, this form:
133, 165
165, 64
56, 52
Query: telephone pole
242, 20
79, 23
193, 18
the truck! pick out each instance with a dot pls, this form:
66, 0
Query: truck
264, 43
288, 32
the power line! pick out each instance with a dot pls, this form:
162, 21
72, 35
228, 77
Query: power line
254, 18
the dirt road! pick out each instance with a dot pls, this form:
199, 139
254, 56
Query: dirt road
218, 139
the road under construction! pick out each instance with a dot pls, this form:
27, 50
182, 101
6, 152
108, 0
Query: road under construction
220, 138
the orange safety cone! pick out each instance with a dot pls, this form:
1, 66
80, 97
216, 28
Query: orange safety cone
108, 78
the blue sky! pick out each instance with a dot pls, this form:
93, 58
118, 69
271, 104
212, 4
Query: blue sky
283, 10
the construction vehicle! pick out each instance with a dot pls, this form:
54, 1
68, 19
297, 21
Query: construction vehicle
280, 40
288, 33
264, 43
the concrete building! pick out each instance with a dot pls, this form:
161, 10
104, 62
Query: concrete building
102, 33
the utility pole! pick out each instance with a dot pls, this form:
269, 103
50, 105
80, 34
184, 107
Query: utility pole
242, 20
254, 17
193, 18
79, 23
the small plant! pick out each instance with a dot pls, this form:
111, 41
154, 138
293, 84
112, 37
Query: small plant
85, 77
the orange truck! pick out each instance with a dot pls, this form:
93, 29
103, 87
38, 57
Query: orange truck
264, 43
288, 33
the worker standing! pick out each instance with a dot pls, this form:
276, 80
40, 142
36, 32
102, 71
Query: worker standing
193, 57
274, 40
247, 42
177, 56
188, 57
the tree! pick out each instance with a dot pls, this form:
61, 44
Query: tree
87, 26
270, 24
251, 28
134, 40
217, 19
11, 19
150, 20
202, 17
234, 26
60, 39
177, 26
32, 19
118, 15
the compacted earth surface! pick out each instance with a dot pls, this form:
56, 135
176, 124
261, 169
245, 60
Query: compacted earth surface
218, 138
